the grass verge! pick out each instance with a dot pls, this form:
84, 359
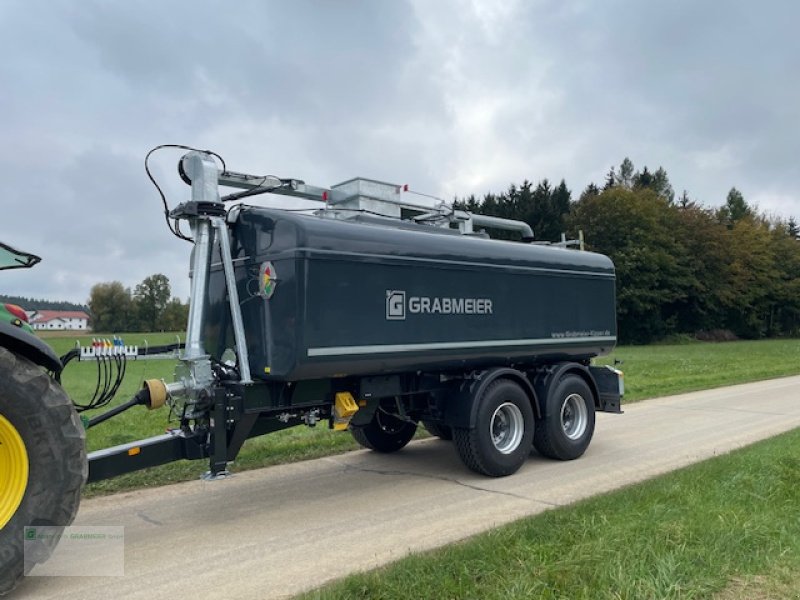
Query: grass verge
727, 527
663, 370
650, 371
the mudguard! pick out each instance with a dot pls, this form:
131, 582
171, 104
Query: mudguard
547, 378
29, 346
462, 406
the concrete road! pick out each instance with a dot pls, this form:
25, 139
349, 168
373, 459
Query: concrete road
275, 532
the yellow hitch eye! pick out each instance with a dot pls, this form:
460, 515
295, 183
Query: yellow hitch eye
13, 470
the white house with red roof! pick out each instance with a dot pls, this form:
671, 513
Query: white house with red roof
52, 320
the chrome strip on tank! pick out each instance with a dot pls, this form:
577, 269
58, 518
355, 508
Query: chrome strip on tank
383, 348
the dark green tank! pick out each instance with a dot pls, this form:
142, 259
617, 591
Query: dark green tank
326, 298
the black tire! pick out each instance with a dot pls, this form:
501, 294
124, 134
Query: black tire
500, 442
565, 429
385, 433
443, 432
53, 439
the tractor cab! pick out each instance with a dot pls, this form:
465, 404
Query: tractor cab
11, 258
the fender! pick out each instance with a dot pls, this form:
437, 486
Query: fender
462, 405
29, 346
546, 378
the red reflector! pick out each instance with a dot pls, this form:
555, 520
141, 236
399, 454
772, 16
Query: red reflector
324, 196
405, 188
17, 312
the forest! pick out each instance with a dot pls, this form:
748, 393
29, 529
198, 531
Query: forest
682, 267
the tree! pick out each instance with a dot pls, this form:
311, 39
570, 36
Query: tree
658, 182
553, 208
626, 172
643, 179
111, 307
590, 191
792, 229
542, 207
151, 297
611, 179
684, 201
636, 229
175, 316
754, 278
662, 186
470, 204
709, 296
735, 209
786, 308
562, 199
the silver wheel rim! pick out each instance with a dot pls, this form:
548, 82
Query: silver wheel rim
574, 416
507, 427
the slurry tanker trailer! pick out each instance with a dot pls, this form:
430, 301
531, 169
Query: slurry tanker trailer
376, 310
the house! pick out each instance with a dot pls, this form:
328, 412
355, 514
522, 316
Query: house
59, 319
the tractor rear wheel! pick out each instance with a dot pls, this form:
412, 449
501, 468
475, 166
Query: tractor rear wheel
42, 462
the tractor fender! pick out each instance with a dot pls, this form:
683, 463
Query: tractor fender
545, 379
25, 344
462, 404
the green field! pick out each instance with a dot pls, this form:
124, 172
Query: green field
663, 370
726, 528
649, 371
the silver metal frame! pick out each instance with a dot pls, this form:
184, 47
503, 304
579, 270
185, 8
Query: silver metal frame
233, 299
195, 374
341, 201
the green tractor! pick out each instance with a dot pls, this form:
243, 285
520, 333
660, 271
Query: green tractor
43, 462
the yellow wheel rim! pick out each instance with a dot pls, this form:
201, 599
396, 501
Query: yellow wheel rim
13, 470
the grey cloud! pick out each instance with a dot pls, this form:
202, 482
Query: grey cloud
454, 97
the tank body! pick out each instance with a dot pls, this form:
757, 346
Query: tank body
326, 298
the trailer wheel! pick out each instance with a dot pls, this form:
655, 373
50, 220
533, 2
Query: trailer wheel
385, 433
501, 440
42, 461
443, 432
565, 430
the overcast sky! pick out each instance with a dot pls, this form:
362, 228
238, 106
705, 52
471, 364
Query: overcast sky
453, 97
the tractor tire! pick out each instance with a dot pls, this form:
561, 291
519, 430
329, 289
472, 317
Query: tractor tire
385, 433
42, 462
443, 432
567, 425
501, 440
